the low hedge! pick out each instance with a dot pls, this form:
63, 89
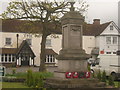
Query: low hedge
13, 79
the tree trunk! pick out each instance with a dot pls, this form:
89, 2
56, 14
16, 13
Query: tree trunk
42, 54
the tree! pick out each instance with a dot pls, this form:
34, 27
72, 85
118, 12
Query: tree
46, 13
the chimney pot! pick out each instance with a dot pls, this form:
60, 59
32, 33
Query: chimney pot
96, 21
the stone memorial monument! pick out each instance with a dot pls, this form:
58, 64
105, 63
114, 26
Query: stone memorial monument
72, 57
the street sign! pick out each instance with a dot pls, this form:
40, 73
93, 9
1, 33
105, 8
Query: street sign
2, 71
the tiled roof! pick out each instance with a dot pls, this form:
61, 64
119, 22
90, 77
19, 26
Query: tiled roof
93, 29
24, 26
17, 26
8, 50
15, 51
24, 45
13, 25
50, 52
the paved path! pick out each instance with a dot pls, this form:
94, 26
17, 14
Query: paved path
24, 69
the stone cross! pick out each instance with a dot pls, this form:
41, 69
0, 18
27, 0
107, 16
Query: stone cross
72, 6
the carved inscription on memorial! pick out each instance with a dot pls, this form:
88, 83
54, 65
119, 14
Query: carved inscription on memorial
75, 36
75, 30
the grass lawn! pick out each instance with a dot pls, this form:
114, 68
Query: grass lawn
36, 75
13, 85
117, 84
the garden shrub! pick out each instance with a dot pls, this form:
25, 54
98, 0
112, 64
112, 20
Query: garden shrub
12, 79
104, 76
99, 75
40, 81
111, 80
88, 66
37, 82
93, 75
14, 71
29, 79
36, 79
118, 84
17, 75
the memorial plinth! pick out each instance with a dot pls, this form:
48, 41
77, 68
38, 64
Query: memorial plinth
72, 57
75, 84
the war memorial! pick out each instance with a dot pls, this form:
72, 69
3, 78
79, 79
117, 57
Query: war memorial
72, 60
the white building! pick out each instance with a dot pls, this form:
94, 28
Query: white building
98, 38
119, 14
107, 43
29, 47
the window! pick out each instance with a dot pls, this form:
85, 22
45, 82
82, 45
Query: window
9, 57
114, 40
13, 57
108, 52
48, 42
29, 41
8, 41
111, 27
114, 53
2, 58
111, 40
5, 57
108, 40
50, 59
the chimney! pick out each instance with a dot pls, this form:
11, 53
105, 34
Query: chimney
96, 21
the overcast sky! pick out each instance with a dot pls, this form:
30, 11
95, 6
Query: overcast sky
105, 10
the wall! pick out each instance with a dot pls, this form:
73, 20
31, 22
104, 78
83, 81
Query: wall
111, 33
56, 43
107, 31
97, 41
118, 42
36, 43
14, 39
119, 14
22, 36
88, 43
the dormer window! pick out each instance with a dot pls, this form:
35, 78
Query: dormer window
111, 27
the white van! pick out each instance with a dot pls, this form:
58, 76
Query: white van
109, 63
